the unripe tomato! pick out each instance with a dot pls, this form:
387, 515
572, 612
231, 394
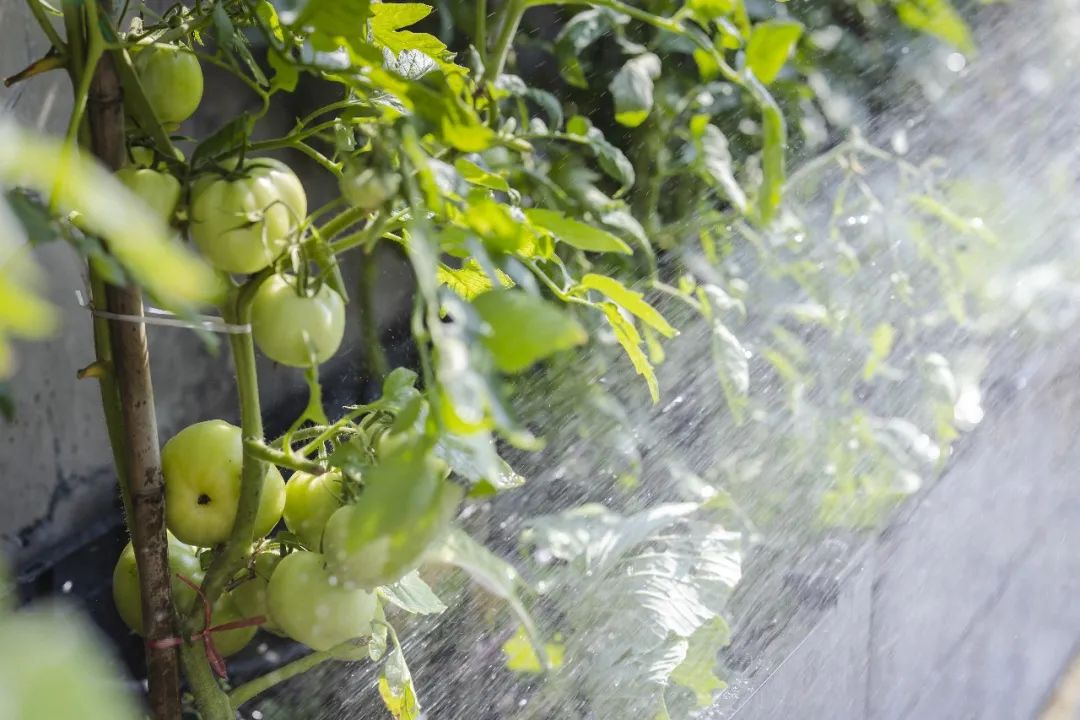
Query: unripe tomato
161, 191
315, 607
172, 79
405, 506
297, 330
202, 466
251, 596
368, 188
242, 224
230, 642
310, 500
126, 594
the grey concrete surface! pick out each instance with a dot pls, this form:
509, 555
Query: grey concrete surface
966, 607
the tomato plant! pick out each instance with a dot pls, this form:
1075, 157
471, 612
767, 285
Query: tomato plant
639, 191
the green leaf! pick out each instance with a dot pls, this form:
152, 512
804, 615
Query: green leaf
881, 344
491, 573
476, 175
286, 74
413, 595
715, 160
580, 32
938, 18
330, 18
610, 158
470, 280
698, 670
494, 224
520, 656
55, 665
548, 328
475, 458
730, 358
630, 300
630, 340
137, 237
396, 687
387, 21
576, 233
632, 88
769, 47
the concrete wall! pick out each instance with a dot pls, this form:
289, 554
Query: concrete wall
966, 606
56, 480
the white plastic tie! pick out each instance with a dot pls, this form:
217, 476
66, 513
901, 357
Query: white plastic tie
157, 316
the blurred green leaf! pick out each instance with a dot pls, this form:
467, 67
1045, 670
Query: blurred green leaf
630, 300
396, 687
576, 233
769, 47
630, 340
938, 18
551, 328
632, 88
413, 595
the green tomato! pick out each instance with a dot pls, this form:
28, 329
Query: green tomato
315, 607
295, 330
230, 642
310, 500
161, 191
182, 559
241, 225
251, 596
406, 504
367, 188
172, 79
202, 466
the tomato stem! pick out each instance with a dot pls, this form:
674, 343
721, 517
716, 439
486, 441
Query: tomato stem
259, 685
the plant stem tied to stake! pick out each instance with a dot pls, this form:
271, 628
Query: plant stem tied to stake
131, 365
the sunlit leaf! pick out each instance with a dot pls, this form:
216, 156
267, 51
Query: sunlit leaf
769, 47
413, 595
712, 151
630, 340
470, 280
576, 233
632, 88
938, 18
520, 656
137, 237
396, 687
551, 329
630, 300
477, 175
698, 670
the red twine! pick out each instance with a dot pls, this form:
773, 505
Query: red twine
206, 634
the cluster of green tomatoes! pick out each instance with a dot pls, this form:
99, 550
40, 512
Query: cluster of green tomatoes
319, 586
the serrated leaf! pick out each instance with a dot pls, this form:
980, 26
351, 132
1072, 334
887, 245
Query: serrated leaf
470, 280
938, 18
576, 233
630, 340
329, 18
769, 47
630, 300
413, 595
697, 671
387, 21
632, 88
551, 329
396, 687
